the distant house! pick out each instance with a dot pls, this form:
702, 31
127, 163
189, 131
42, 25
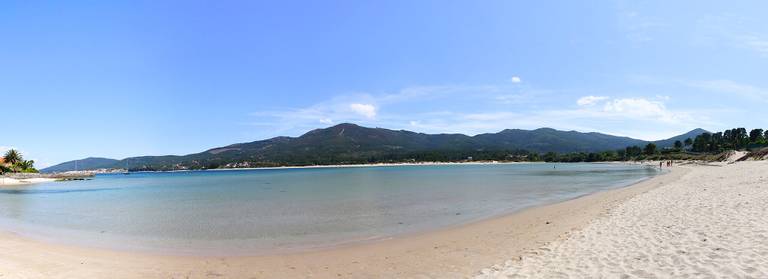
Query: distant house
2, 160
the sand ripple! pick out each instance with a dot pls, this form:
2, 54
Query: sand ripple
712, 223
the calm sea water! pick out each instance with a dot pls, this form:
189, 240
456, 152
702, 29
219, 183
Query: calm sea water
258, 211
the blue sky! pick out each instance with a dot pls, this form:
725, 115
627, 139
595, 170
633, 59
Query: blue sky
112, 79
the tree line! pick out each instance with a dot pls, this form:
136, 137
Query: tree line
733, 139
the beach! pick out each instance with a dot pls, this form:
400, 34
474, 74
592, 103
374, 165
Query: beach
656, 226
388, 139
708, 224
7, 181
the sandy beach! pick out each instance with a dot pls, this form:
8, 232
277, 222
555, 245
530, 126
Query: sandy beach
708, 224
655, 227
7, 181
383, 139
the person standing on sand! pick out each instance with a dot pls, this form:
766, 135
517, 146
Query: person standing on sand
660, 165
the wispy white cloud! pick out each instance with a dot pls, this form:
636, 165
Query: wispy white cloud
643, 108
635, 117
514, 98
731, 87
755, 43
488, 108
733, 31
721, 86
641, 23
590, 100
366, 110
635, 108
287, 121
414, 93
515, 79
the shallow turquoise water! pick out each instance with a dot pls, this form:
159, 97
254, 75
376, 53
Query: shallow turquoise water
258, 211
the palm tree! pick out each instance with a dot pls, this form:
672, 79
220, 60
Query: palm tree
4, 169
26, 165
12, 157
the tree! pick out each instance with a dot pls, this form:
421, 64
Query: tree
26, 164
740, 137
678, 145
622, 154
688, 142
728, 139
534, 157
610, 156
550, 157
716, 142
12, 157
633, 151
650, 149
756, 136
701, 143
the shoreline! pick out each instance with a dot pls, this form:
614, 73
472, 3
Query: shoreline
17, 179
707, 224
7, 181
450, 252
380, 165
130, 245
350, 166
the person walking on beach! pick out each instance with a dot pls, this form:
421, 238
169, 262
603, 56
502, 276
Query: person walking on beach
660, 165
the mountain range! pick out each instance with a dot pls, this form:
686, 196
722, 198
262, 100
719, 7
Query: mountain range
350, 144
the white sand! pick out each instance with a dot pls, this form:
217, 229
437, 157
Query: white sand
7, 181
734, 156
711, 223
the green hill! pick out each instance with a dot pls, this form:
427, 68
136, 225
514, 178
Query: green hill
349, 143
671, 141
90, 163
